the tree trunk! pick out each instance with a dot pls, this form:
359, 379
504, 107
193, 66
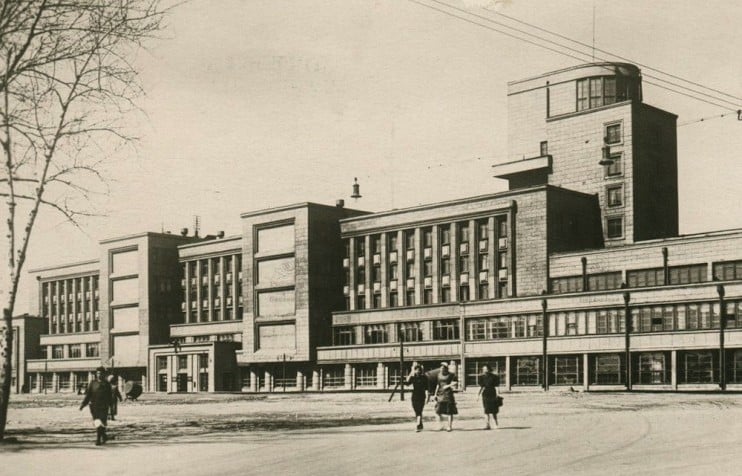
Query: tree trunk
6, 352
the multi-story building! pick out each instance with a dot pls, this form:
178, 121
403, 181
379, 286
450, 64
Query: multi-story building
574, 277
26, 332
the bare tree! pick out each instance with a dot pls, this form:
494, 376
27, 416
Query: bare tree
67, 79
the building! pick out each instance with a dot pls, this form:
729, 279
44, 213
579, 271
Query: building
575, 277
26, 332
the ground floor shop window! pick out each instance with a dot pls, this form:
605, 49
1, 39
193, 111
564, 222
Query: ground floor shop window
528, 371
565, 370
365, 376
698, 367
608, 370
474, 369
736, 367
162, 383
652, 368
333, 377
203, 382
392, 373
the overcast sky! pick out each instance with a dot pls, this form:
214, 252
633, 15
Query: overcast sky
254, 104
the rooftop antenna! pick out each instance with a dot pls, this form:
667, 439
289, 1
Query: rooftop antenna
356, 189
196, 225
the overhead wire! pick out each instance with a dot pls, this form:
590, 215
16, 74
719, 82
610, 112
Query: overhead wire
560, 45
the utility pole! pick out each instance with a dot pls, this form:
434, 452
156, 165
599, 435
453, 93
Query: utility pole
545, 332
401, 366
627, 338
722, 328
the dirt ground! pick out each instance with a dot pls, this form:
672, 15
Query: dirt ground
551, 433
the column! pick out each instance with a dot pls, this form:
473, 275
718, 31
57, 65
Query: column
352, 266
171, 372
73, 382
55, 382
315, 380
491, 258
210, 289
419, 258
199, 298
268, 381
453, 368
401, 268
435, 256
380, 375
508, 380
299, 381
222, 290
368, 264
674, 369
585, 373
348, 377
453, 256
39, 378
187, 292
253, 381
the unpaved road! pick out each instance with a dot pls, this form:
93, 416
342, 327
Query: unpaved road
539, 434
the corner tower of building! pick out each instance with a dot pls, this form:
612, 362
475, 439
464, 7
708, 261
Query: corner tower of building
586, 129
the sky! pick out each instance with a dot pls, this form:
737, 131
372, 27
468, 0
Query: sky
255, 104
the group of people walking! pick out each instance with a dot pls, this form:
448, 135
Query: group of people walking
441, 383
102, 396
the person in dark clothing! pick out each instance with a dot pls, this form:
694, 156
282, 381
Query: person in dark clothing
445, 400
488, 383
98, 397
116, 396
419, 383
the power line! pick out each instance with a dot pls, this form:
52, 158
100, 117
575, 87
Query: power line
735, 105
709, 118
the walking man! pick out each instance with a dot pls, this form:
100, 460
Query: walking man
98, 397
115, 395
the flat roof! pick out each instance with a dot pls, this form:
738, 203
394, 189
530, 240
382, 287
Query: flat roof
65, 265
294, 206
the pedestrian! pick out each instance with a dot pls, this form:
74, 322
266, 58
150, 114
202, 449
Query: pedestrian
445, 401
116, 396
419, 383
488, 383
98, 397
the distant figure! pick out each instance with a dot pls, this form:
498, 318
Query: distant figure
116, 396
98, 396
488, 383
445, 401
420, 394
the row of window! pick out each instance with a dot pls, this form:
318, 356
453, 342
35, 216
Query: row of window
74, 351
648, 277
444, 329
207, 283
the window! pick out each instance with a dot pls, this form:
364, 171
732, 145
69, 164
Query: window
728, 270
596, 92
484, 262
445, 234
410, 297
182, 362
615, 167
361, 302
527, 371
392, 241
645, 277
614, 227
566, 370
393, 271
360, 246
410, 269
583, 101
476, 329
428, 296
601, 90
57, 352
652, 368
463, 264
608, 370
502, 260
161, 363
609, 90
376, 274
567, 284
688, 274
343, 336
445, 295
366, 376
484, 291
393, 299
483, 229
502, 227
737, 367
376, 301
410, 331
613, 134
409, 238
698, 367
428, 268
445, 266
75, 351
544, 148
463, 232
427, 238
463, 293
446, 329
375, 334
92, 350
604, 281
614, 195
375, 244
500, 328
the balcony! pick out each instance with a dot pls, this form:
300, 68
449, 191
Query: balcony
446, 280
193, 305
228, 278
205, 303
428, 282
410, 283
410, 255
464, 248
464, 278
393, 284
483, 276
193, 281
229, 301
427, 253
183, 306
346, 262
377, 287
377, 259
502, 243
392, 256
217, 279
483, 245
204, 280
361, 288
217, 302
502, 274
446, 251
346, 289
183, 283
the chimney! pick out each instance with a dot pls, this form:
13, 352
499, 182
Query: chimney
340, 203
220, 234
184, 232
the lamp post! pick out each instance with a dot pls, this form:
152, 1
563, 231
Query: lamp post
722, 327
462, 340
545, 333
401, 366
627, 337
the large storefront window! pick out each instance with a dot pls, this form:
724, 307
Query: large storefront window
528, 371
608, 370
652, 368
565, 370
698, 367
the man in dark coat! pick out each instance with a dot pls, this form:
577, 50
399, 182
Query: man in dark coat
98, 395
